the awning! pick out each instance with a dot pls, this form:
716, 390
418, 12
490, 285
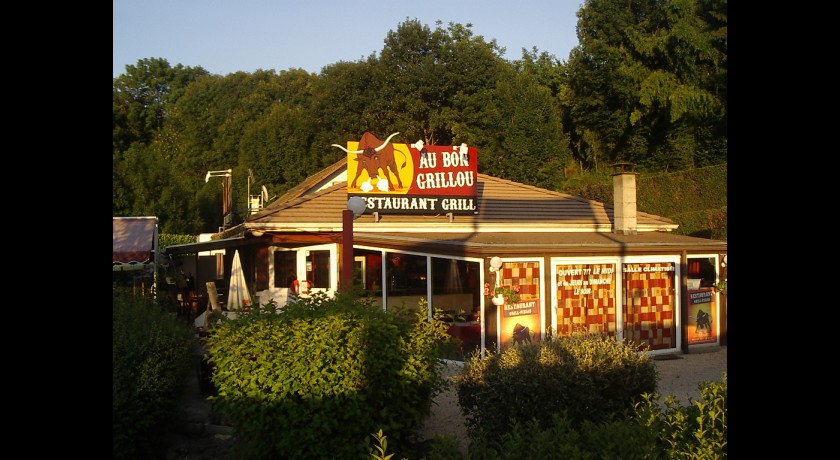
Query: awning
135, 240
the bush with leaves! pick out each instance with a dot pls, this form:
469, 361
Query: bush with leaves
624, 439
693, 431
153, 354
582, 376
315, 378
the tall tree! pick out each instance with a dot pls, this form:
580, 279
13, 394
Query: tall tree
647, 83
150, 189
426, 75
517, 126
142, 96
278, 147
261, 121
142, 100
342, 96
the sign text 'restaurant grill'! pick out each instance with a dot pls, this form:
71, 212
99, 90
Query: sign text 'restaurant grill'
396, 178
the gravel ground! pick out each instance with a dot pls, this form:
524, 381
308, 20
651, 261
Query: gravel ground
202, 439
681, 375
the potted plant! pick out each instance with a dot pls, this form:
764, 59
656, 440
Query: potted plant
721, 287
506, 294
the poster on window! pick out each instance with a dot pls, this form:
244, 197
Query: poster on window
701, 316
520, 320
650, 304
586, 298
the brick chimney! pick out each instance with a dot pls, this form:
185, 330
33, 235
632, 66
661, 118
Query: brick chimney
624, 199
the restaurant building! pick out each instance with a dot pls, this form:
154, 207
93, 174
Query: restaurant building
433, 228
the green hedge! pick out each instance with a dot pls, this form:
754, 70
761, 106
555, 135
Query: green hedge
669, 194
542, 401
696, 199
582, 376
153, 354
708, 223
171, 239
317, 378
696, 431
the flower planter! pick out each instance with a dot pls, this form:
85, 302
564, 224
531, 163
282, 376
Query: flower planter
498, 300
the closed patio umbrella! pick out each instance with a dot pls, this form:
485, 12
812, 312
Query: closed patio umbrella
238, 296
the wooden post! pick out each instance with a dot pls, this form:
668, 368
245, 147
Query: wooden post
345, 282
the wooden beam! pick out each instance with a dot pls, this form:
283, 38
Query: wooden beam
303, 238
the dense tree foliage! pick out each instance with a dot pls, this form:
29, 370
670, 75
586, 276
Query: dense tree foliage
143, 95
646, 84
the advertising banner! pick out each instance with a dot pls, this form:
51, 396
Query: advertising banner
650, 304
701, 308
399, 178
586, 298
520, 321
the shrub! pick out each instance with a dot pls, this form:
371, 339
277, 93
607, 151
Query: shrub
438, 448
696, 430
316, 378
624, 439
582, 376
152, 357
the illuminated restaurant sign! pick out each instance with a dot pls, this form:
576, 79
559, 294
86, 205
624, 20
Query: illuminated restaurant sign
395, 178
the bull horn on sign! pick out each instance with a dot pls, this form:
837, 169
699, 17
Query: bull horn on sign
362, 151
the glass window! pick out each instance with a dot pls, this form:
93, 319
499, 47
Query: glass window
406, 274
455, 288
448, 275
367, 271
285, 268
703, 269
407, 281
318, 269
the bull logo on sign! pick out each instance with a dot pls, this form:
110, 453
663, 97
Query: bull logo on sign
704, 322
521, 334
373, 159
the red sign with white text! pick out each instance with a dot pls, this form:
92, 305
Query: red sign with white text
399, 178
